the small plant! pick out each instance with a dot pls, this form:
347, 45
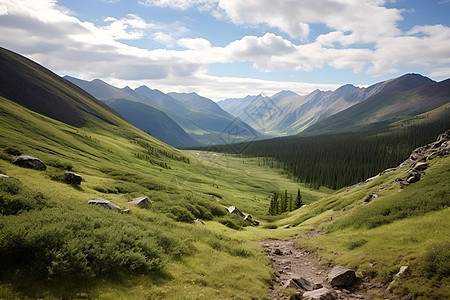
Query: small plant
437, 261
355, 243
12, 151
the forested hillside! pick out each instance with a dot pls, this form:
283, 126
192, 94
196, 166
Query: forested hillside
340, 160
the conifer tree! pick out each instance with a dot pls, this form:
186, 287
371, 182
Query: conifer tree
298, 201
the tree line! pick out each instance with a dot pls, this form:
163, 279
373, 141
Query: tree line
281, 202
340, 160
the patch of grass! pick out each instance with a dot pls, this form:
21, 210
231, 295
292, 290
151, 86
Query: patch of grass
355, 243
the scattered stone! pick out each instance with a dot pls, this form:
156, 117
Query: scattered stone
286, 226
370, 197
26, 161
301, 284
107, 204
320, 294
412, 178
72, 178
236, 211
278, 252
402, 270
4, 176
341, 276
142, 202
199, 222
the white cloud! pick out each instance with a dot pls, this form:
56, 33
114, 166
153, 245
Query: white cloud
133, 27
182, 4
52, 37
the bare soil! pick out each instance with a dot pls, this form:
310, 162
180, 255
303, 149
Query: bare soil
290, 261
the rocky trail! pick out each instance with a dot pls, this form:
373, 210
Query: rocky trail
296, 268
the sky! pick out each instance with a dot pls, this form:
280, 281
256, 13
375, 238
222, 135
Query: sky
232, 48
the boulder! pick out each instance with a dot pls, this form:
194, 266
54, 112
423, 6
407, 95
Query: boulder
320, 294
105, 203
413, 177
370, 197
30, 162
142, 202
341, 276
72, 178
300, 284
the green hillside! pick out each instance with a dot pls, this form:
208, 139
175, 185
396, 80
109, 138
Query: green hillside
54, 245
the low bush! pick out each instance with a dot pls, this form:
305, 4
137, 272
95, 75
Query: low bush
233, 221
12, 151
60, 164
15, 198
355, 243
437, 261
59, 244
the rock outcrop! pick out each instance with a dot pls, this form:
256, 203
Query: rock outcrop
72, 178
342, 277
417, 161
30, 162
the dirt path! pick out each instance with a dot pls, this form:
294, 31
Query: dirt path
289, 262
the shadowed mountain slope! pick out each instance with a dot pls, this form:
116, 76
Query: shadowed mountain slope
42, 91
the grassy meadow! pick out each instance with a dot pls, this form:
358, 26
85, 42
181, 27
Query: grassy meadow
54, 245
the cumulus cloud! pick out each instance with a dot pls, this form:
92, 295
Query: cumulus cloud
50, 35
182, 4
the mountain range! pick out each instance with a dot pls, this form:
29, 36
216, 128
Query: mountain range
179, 119
287, 113
188, 119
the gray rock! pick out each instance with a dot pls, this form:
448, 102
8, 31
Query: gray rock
30, 162
342, 276
72, 178
370, 197
142, 202
105, 203
278, 252
320, 294
301, 284
402, 271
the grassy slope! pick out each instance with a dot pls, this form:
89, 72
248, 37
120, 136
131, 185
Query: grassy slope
215, 261
400, 227
198, 261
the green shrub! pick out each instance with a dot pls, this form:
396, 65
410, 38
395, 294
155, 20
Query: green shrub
12, 151
437, 261
15, 198
270, 226
60, 165
58, 244
233, 221
355, 243
181, 214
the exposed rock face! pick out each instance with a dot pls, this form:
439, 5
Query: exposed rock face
417, 161
72, 178
320, 294
342, 276
30, 162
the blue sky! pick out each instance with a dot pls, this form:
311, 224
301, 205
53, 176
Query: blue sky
231, 48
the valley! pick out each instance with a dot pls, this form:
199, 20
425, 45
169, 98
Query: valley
186, 244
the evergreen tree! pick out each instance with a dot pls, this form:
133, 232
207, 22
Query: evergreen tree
298, 201
275, 203
290, 203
